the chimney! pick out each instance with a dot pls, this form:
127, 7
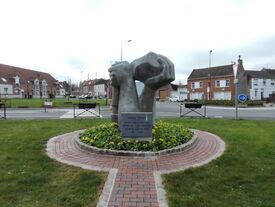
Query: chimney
240, 61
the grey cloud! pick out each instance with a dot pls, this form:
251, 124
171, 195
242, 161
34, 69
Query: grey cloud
255, 54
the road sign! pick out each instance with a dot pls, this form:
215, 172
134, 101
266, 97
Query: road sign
242, 98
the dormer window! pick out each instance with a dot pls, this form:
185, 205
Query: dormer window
4, 80
44, 87
17, 81
36, 88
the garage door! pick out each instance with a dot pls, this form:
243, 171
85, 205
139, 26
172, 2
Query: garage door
222, 95
196, 96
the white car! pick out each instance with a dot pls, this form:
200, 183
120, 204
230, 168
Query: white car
174, 99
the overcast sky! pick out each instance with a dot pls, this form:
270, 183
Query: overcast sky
71, 39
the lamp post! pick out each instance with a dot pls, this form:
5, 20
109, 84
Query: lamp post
209, 76
121, 48
28, 93
235, 70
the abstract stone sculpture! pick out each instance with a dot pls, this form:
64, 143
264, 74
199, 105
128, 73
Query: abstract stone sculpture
153, 70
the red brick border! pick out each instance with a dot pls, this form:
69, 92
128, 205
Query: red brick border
135, 181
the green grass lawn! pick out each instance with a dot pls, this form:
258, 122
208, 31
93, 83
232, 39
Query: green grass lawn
28, 177
243, 176
38, 103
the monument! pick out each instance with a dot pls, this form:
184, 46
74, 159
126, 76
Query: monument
154, 71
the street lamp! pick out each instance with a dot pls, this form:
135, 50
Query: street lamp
28, 93
210, 52
121, 48
80, 83
235, 71
209, 76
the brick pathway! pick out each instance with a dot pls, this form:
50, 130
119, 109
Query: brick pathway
135, 181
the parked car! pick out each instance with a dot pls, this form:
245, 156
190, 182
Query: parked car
85, 97
81, 97
88, 97
176, 99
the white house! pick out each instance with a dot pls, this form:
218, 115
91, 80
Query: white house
100, 88
183, 92
5, 88
261, 83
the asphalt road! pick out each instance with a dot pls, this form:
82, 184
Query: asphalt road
255, 113
162, 110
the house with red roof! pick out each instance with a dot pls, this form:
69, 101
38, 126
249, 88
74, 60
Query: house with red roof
16, 82
216, 83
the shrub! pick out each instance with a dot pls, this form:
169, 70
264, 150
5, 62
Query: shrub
108, 136
231, 102
254, 103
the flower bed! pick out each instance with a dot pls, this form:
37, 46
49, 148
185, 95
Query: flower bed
108, 136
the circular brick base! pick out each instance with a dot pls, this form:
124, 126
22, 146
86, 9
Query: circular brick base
135, 181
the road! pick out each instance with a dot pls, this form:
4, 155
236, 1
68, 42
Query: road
255, 113
162, 110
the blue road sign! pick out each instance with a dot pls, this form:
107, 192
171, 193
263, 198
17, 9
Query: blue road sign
242, 98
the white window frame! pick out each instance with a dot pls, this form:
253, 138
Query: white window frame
227, 83
217, 83
256, 92
44, 88
201, 84
36, 88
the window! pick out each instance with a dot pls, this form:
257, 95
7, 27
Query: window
256, 92
36, 87
262, 93
217, 83
197, 84
4, 80
272, 83
264, 82
200, 84
255, 82
5, 90
222, 95
44, 88
227, 83
17, 82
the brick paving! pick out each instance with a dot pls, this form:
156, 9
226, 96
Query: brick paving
135, 181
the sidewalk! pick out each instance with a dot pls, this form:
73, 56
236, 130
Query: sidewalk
135, 181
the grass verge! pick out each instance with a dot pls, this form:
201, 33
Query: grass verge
28, 177
243, 176
38, 103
